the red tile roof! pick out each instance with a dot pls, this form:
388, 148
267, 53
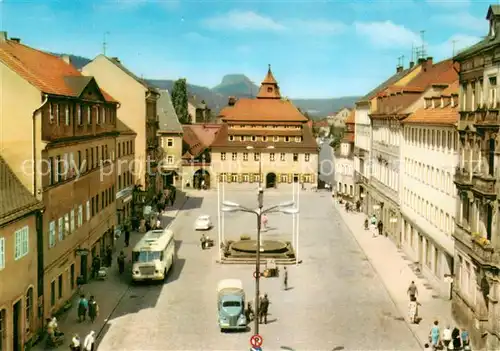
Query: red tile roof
351, 118
321, 123
262, 110
348, 138
46, 72
452, 89
199, 137
441, 72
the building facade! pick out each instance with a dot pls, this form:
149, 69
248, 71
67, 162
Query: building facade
138, 111
428, 199
198, 111
125, 174
265, 140
344, 160
477, 240
64, 154
20, 226
170, 133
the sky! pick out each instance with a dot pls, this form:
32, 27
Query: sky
317, 49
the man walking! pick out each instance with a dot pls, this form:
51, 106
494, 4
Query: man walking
285, 278
412, 291
127, 236
93, 309
88, 343
121, 262
264, 307
83, 306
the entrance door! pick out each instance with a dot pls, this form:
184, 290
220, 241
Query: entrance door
83, 267
16, 327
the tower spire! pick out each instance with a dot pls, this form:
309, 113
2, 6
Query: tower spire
269, 88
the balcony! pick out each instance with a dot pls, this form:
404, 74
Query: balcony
484, 184
477, 246
462, 176
359, 178
359, 152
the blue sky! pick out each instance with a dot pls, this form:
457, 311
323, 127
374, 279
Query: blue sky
316, 48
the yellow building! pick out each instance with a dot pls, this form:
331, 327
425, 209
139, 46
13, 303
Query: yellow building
170, 133
264, 140
20, 218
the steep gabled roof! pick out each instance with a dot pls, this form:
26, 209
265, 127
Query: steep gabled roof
168, 120
262, 110
15, 199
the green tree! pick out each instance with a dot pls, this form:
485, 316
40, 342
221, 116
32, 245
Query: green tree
180, 100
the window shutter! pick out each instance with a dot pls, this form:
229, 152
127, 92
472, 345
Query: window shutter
26, 234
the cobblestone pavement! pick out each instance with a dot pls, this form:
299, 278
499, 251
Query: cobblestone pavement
335, 300
108, 293
396, 275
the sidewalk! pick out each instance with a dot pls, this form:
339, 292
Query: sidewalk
108, 293
396, 275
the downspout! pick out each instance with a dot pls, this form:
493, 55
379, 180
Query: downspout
33, 140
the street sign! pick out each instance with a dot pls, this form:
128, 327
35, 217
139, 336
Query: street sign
256, 341
255, 275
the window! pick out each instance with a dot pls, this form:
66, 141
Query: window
2, 258
242, 138
89, 115
223, 156
256, 156
287, 139
103, 115
79, 115
246, 178
57, 113
264, 138
298, 139
29, 309
88, 211
22, 242
282, 156
52, 234
80, 216
66, 114
61, 228
51, 114
245, 156
231, 138
271, 156
170, 159
276, 138
295, 157
307, 157
170, 142
53, 293
60, 286
66, 224
234, 156
72, 221
98, 115
72, 276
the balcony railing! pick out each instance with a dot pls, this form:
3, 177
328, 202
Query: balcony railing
462, 176
479, 247
359, 178
484, 184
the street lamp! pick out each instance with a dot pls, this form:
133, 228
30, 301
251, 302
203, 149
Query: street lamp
284, 207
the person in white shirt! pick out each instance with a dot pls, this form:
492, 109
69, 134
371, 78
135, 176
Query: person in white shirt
447, 336
88, 343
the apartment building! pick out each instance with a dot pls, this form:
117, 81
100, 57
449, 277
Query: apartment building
138, 111
477, 240
394, 104
344, 160
265, 140
170, 133
20, 226
124, 173
428, 199
59, 140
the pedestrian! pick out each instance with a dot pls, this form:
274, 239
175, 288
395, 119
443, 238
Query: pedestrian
203, 241
121, 262
127, 237
88, 343
93, 309
96, 266
434, 335
285, 278
412, 291
380, 227
83, 306
465, 338
373, 224
109, 256
264, 308
264, 221
75, 343
413, 311
447, 336
456, 343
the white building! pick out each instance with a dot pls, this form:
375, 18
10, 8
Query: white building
428, 198
344, 160
362, 148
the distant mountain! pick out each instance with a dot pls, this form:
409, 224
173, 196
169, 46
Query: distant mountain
239, 85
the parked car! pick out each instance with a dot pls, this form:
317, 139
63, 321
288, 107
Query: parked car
203, 222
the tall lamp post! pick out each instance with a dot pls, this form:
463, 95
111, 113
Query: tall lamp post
286, 208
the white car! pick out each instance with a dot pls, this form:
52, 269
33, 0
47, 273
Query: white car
203, 222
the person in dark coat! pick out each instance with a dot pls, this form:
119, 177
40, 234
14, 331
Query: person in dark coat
93, 309
285, 278
121, 262
109, 256
127, 237
264, 308
380, 227
83, 306
96, 266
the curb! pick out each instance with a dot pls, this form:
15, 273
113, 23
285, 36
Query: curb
122, 296
370, 261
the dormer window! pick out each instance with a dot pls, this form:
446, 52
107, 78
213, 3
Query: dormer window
269, 90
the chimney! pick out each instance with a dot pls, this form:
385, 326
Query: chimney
3, 37
420, 61
66, 59
427, 63
231, 101
116, 59
412, 63
16, 40
399, 69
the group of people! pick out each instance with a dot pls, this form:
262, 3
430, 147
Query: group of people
449, 339
263, 309
88, 307
87, 345
375, 225
98, 262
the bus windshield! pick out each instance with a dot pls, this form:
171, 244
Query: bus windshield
146, 256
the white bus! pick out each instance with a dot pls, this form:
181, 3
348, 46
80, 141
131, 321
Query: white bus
153, 256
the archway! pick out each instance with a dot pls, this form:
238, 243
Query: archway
271, 180
169, 178
200, 176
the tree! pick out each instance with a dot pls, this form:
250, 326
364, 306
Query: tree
180, 100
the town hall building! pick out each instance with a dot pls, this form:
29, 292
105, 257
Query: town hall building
264, 140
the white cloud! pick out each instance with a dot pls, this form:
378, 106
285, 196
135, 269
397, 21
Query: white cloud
387, 34
453, 45
243, 20
462, 20
318, 27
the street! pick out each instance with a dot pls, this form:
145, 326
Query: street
335, 299
326, 163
